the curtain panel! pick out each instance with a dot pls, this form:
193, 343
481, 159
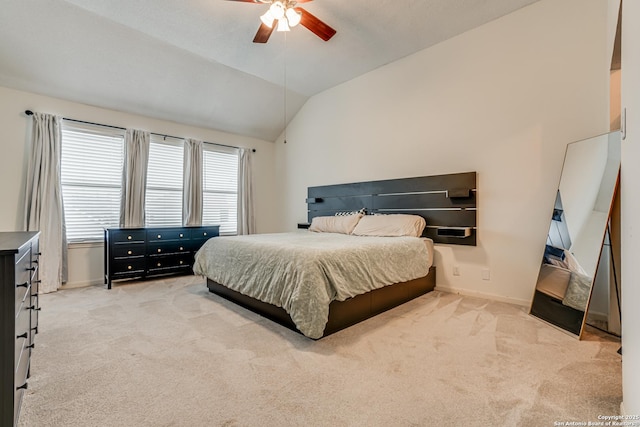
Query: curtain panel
134, 178
44, 209
192, 183
246, 219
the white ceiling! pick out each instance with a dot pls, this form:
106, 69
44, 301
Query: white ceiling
193, 61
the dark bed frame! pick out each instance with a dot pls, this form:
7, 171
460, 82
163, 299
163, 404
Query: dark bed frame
448, 204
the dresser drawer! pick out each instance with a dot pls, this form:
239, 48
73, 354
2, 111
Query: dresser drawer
126, 236
172, 247
205, 233
22, 330
169, 263
22, 366
20, 383
128, 266
23, 268
123, 250
154, 235
201, 235
23, 293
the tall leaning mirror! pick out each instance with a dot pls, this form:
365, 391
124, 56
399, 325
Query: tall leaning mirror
579, 222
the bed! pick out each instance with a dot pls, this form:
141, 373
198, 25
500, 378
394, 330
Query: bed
318, 283
304, 272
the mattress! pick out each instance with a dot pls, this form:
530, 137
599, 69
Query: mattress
303, 271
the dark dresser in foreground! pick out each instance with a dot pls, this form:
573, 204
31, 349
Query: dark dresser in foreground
144, 252
18, 318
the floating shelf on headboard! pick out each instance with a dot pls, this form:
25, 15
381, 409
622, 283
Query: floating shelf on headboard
446, 202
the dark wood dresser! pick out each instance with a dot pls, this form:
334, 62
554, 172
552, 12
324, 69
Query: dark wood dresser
144, 252
18, 318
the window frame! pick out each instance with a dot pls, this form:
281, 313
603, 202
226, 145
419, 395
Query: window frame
89, 133
175, 143
210, 147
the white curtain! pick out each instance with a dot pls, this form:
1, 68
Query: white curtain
134, 178
246, 220
192, 183
43, 203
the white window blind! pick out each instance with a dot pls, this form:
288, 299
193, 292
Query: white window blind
164, 182
91, 178
220, 187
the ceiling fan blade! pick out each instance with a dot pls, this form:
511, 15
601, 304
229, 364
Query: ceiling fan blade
264, 32
315, 25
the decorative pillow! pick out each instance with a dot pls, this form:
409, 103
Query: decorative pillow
362, 211
335, 224
390, 225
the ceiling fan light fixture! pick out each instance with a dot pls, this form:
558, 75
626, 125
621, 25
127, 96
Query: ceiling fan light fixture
282, 25
267, 19
293, 16
277, 10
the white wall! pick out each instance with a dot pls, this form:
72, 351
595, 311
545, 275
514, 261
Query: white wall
630, 177
85, 261
503, 100
582, 173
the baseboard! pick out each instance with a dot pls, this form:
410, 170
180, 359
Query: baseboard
622, 411
493, 297
83, 284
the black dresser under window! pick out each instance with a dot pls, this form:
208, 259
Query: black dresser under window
144, 252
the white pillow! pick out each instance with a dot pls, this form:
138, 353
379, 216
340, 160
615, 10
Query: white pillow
390, 225
335, 224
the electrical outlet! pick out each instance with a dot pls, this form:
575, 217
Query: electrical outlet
486, 274
456, 270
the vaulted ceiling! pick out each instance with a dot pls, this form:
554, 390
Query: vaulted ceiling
193, 61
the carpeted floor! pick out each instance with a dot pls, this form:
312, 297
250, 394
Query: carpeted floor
169, 353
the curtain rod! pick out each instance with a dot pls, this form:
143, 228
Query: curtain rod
30, 113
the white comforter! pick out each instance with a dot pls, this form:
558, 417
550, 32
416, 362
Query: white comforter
303, 271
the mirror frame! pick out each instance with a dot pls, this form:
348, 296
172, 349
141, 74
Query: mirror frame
550, 309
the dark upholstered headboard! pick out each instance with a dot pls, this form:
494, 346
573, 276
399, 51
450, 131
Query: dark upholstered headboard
446, 202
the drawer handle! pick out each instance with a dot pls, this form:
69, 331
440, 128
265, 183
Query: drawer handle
38, 254
23, 285
181, 235
35, 329
31, 345
22, 387
36, 281
35, 261
205, 233
129, 252
181, 248
159, 236
159, 264
181, 262
129, 237
30, 269
159, 250
34, 308
129, 267
25, 335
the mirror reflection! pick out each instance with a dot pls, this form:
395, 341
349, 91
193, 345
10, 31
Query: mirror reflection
579, 222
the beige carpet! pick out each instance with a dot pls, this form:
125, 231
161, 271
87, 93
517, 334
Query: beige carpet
169, 353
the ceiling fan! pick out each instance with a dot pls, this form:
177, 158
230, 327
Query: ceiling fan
283, 14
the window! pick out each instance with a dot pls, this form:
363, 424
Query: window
164, 182
220, 188
91, 177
